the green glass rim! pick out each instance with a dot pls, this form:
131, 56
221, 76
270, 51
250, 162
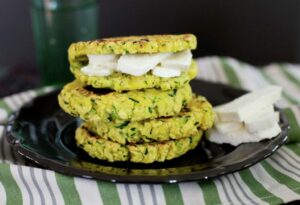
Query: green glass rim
61, 4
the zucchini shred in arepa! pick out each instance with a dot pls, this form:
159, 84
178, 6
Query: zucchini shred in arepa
198, 114
98, 104
130, 45
134, 95
119, 81
150, 44
103, 149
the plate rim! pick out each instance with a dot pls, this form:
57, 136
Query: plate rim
44, 162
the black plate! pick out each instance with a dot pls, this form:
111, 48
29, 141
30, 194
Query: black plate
43, 133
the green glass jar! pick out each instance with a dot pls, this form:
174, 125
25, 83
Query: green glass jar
56, 24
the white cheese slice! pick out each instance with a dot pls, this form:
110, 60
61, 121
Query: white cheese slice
227, 127
277, 116
139, 64
269, 133
96, 71
100, 65
106, 60
247, 106
165, 72
261, 112
251, 126
242, 136
262, 122
180, 60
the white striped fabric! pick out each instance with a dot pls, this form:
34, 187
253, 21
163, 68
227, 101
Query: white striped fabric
147, 195
123, 193
2, 194
272, 181
191, 193
88, 191
279, 190
158, 195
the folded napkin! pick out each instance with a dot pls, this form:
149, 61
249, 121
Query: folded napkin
272, 181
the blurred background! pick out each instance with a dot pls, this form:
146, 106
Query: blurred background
257, 32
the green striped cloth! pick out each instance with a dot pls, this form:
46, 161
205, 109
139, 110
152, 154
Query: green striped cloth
273, 181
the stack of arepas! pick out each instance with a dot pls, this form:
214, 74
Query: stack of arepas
134, 96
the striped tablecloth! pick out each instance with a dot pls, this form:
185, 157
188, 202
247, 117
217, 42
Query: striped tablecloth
273, 181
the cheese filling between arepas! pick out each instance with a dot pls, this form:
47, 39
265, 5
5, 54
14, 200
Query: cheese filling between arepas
160, 64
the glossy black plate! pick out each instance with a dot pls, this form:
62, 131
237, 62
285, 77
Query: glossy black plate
43, 133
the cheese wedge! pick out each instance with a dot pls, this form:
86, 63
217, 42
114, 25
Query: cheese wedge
262, 123
242, 135
228, 127
259, 121
163, 64
139, 64
165, 72
100, 65
180, 60
249, 105
98, 71
102, 59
